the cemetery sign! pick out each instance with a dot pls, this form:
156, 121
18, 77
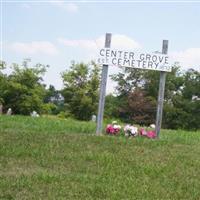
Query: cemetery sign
159, 62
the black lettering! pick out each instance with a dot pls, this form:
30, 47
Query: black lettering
139, 61
119, 62
156, 64
126, 62
125, 55
114, 61
131, 55
148, 57
141, 56
154, 58
113, 53
133, 63
150, 64
101, 52
166, 60
107, 52
120, 53
160, 59
143, 64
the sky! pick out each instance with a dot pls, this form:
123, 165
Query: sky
56, 32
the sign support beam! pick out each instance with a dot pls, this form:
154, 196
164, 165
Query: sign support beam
103, 89
161, 92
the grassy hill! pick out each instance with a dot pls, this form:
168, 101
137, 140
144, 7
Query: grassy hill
49, 158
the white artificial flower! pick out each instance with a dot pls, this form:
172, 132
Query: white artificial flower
133, 130
127, 128
152, 126
117, 126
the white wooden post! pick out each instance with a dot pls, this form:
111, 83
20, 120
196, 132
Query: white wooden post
103, 89
161, 92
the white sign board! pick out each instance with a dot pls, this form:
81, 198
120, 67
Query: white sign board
159, 62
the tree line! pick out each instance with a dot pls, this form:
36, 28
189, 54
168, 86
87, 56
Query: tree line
134, 100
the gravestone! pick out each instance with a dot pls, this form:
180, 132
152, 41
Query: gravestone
9, 111
34, 114
94, 118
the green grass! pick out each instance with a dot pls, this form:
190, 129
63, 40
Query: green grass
47, 158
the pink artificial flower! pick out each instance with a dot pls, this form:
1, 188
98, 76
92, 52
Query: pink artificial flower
110, 129
113, 129
116, 130
151, 134
143, 132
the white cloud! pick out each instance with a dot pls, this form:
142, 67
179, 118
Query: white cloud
118, 41
124, 42
69, 7
189, 58
35, 47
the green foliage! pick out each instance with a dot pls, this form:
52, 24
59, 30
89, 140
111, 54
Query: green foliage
54, 98
182, 93
111, 107
80, 91
49, 108
52, 95
128, 81
2, 65
135, 105
191, 84
22, 90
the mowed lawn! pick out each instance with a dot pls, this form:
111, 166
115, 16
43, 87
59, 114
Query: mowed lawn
49, 158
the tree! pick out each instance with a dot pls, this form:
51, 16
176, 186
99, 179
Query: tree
54, 100
81, 83
52, 95
191, 87
134, 102
182, 111
23, 91
137, 93
140, 109
128, 81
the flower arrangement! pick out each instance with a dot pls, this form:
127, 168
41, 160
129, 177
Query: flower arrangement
113, 129
130, 130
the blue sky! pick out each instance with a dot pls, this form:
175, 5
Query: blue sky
55, 33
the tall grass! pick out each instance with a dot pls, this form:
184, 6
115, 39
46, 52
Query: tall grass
42, 158
49, 125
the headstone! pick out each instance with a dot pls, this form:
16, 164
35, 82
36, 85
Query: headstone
9, 111
94, 118
34, 114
